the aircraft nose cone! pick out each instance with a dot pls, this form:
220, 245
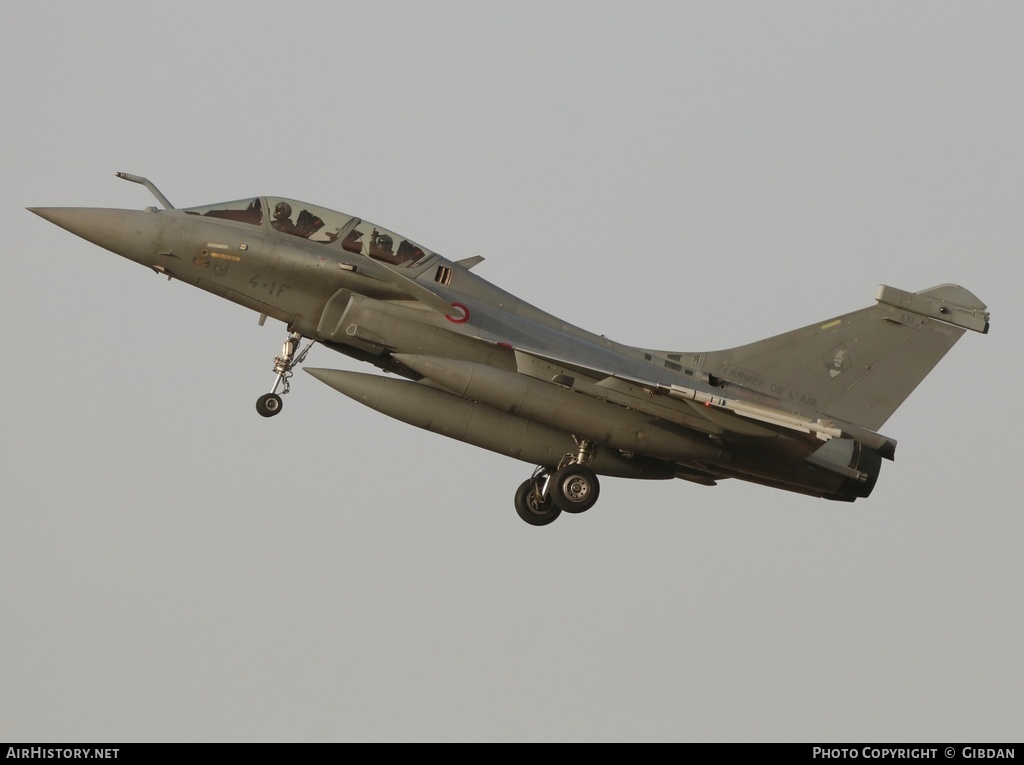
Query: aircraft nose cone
45, 212
99, 226
131, 233
69, 218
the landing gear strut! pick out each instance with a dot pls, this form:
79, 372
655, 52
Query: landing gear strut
572, 488
270, 404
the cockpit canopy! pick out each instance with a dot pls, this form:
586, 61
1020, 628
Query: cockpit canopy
318, 224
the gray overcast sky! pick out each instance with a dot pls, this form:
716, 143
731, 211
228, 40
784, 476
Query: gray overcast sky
679, 175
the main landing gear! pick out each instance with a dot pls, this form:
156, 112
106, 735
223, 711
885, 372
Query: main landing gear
572, 488
270, 404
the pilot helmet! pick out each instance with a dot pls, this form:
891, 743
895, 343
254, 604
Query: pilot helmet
282, 210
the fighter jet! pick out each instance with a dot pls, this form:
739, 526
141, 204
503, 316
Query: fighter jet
798, 411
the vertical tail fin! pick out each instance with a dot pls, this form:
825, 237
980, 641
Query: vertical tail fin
858, 367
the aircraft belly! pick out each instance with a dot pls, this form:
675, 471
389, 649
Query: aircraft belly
474, 423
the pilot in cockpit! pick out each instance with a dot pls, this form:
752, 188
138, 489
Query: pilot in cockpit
283, 218
380, 247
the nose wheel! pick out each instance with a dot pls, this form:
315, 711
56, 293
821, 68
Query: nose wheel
270, 404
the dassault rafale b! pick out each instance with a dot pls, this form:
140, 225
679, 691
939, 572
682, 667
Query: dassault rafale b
799, 411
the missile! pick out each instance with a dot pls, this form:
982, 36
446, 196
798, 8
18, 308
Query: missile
565, 410
446, 414
821, 428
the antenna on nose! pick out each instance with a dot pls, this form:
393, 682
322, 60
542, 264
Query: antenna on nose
149, 185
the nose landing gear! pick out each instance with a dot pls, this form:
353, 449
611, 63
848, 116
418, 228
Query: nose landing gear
270, 404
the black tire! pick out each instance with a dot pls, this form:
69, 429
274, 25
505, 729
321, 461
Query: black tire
269, 404
531, 508
575, 488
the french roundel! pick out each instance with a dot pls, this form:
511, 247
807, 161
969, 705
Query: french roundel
457, 318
